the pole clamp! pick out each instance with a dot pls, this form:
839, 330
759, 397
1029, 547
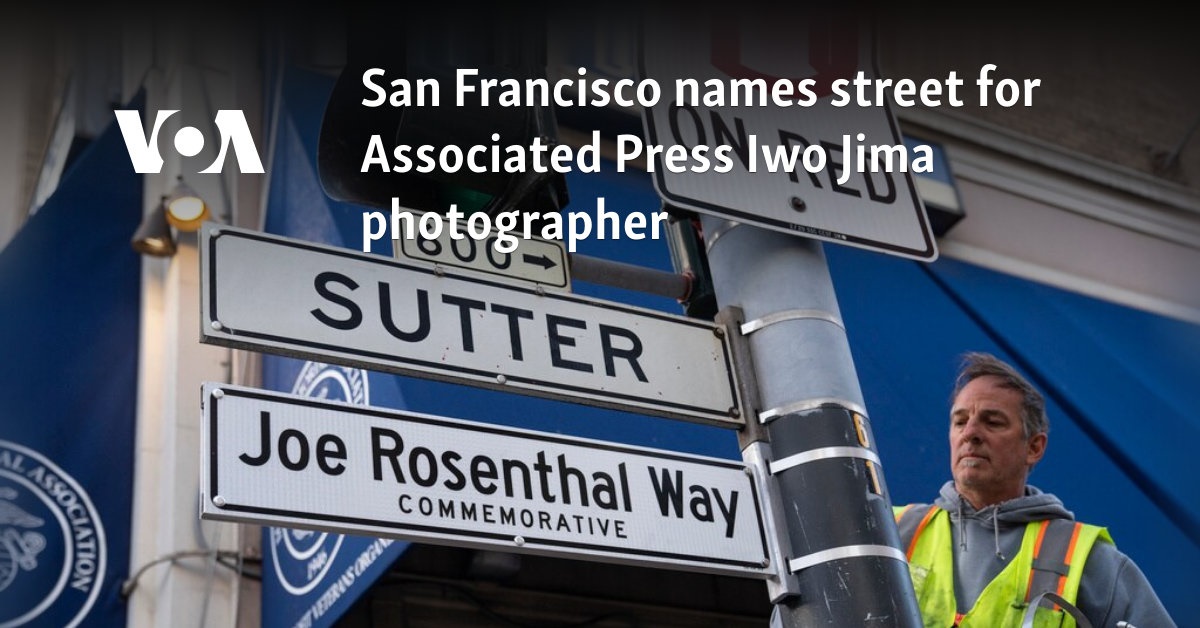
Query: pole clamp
766, 416
750, 327
824, 453
846, 551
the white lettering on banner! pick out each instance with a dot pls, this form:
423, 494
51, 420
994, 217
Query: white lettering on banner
52, 543
343, 583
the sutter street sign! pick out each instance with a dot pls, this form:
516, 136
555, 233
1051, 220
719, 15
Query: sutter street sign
286, 296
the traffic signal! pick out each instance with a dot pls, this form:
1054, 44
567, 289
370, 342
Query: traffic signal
499, 41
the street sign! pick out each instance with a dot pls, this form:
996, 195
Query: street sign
538, 261
874, 210
267, 293
276, 459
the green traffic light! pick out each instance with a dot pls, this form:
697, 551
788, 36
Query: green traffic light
469, 201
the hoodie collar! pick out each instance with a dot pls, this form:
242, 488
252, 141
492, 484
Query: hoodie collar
1034, 505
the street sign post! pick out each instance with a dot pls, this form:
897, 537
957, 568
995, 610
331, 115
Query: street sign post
875, 210
542, 262
844, 557
268, 293
275, 459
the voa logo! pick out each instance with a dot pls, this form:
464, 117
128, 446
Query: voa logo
189, 141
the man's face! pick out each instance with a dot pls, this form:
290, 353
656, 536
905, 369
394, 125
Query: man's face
989, 454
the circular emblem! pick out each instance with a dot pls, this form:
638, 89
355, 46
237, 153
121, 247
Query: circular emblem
52, 546
303, 557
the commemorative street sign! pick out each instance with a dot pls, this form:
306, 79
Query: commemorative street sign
542, 262
274, 294
300, 462
706, 67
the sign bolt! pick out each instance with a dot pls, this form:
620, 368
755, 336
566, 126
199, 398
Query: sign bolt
219, 501
439, 271
719, 332
218, 393
519, 540
798, 204
501, 379
735, 412
541, 292
216, 325
766, 562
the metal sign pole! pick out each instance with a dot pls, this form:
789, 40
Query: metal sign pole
841, 541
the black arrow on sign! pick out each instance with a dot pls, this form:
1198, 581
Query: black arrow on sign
538, 260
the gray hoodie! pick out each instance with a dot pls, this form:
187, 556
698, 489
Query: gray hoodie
1113, 589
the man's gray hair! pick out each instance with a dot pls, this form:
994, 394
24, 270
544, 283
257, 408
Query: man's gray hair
1033, 405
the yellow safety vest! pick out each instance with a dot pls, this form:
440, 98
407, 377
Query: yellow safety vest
1051, 558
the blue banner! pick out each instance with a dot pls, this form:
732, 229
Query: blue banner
68, 379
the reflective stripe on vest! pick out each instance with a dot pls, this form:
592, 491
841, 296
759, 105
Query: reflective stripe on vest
1051, 558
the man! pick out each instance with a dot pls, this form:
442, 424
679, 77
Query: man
991, 544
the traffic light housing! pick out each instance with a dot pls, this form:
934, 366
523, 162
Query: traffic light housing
685, 240
502, 43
